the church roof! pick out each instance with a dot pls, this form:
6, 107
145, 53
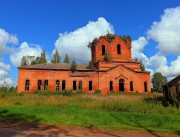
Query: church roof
55, 66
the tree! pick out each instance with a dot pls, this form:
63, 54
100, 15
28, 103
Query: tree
27, 60
142, 67
106, 56
33, 62
66, 59
90, 65
73, 66
158, 80
56, 57
23, 61
43, 57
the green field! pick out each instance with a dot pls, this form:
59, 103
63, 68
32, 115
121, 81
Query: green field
124, 111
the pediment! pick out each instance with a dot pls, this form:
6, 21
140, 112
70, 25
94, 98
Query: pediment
121, 76
120, 69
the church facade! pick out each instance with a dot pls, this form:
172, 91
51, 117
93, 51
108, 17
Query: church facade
118, 73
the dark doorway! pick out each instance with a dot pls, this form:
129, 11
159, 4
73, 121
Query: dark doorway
131, 86
103, 50
118, 49
63, 85
90, 85
145, 87
111, 85
121, 85
74, 85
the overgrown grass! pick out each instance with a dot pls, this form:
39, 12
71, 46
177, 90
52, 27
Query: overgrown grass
126, 111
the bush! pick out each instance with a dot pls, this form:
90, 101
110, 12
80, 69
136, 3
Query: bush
79, 92
97, 91
67, 92
165, 103
47, 93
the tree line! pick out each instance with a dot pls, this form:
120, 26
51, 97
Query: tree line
31, 60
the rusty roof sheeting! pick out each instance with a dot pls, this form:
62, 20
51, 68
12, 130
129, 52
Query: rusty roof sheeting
55, 66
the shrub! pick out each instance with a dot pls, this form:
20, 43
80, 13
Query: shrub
67, 92
97, 91
165, 103
79, 92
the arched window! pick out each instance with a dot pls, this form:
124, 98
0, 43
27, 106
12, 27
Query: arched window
111, 85
46, 85
145, 87
27, 85
80, 85
118, 49
57, 85
90, 85
63, 85
39, 84
131, 86
103, 50
74, 85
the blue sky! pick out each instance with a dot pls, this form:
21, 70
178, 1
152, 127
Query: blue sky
31, 26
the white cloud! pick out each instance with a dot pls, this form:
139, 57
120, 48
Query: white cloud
160, 63
137, 49
5, 39
75, 43
3, 73
24, 50
4, 66
7, 81
4, 76
167, 31
158, 60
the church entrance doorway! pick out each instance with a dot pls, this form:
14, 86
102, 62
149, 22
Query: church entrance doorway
121, 85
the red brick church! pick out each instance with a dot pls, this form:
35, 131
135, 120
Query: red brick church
118, 74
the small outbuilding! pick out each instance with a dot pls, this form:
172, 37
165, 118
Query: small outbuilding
172, 88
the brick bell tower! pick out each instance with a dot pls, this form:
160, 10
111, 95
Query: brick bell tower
118, 48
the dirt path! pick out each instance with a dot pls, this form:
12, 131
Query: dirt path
20, 130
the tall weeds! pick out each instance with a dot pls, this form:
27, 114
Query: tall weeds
124, 102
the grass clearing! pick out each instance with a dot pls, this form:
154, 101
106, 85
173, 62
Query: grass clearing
125, 111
